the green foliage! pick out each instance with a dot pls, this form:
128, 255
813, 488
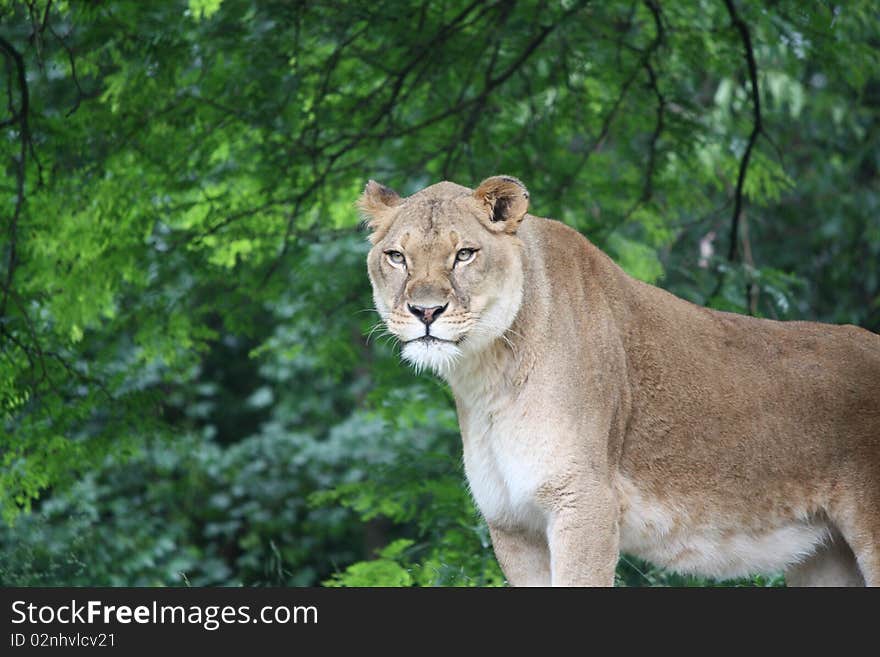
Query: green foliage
186, 513
383, 571
422, 492
187, 390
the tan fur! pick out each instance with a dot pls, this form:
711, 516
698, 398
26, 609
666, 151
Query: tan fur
601, 414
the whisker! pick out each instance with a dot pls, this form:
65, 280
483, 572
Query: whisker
511, 331
378, 326
484, 328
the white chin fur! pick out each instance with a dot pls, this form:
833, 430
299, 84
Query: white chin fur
439, 357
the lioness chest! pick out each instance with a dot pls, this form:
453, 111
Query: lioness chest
500, 464
504, 459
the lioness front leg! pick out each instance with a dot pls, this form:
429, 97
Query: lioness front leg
584, 540
524, 557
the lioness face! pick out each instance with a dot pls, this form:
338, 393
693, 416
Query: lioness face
446, 266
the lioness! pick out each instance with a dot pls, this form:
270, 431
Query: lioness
600, 414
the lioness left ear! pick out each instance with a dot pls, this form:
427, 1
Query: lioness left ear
506, 201
376, 204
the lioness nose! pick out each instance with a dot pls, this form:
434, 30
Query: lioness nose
427, 315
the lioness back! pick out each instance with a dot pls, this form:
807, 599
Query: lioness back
731, 418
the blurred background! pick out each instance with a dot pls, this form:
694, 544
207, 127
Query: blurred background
188, 392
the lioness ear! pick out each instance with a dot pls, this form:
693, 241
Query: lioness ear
375, 205
506, 201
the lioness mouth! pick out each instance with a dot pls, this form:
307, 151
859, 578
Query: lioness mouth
430, 339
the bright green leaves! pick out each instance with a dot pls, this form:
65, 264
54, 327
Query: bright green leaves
766, 181
404, 563
637, 259
202, 9
384, 571
26, 470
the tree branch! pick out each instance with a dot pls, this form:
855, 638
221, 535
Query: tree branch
351, 141
757, 127
72, 60
19, 116
659, 124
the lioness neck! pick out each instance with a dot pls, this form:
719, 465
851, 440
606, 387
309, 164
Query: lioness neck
506, 362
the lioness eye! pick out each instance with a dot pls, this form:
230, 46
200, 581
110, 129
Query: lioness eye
465, 255
395, 257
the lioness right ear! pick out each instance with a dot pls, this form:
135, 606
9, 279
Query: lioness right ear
375, 205
506, 201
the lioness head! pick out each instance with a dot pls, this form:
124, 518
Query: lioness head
446, 265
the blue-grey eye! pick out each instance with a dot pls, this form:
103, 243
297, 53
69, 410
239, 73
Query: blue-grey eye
465, 255
395, 257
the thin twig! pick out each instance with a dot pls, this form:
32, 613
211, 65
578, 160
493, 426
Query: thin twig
21, 116
757, 126
70, 58
659, 124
